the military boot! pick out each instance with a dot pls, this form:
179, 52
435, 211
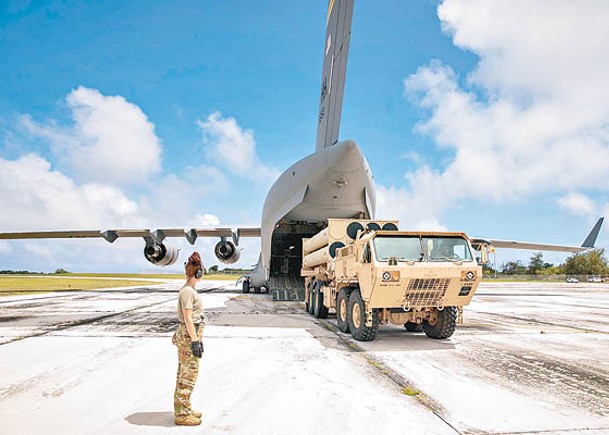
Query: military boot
188, 420
193, 412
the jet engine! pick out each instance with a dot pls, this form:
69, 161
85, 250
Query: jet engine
227, 252
161, 254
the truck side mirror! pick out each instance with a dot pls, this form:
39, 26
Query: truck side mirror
366, 256
483, 251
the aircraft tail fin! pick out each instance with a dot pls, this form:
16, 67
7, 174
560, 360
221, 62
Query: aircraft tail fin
591, 239
338, 35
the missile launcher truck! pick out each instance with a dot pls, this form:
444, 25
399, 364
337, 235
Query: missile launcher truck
372, 274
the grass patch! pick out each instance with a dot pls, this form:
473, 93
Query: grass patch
25, 284
219, 276
12, 285
409, 391
375, 364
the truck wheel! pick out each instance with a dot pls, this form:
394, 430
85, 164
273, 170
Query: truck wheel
413, 327
321, 311
342, 308
246, 286
308, 300
444, 326
356, 315
312, 299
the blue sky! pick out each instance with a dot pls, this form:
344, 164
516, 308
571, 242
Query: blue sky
477, 116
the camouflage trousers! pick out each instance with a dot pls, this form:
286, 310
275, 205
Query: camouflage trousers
188, 370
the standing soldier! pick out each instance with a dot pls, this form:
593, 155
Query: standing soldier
188, 340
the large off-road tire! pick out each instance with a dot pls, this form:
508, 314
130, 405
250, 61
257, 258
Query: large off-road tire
312, 299
342, 309
308, 300
356, 315
245, 286
321, 311
444, 326
413, 327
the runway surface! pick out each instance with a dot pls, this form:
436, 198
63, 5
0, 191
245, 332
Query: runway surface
530, 358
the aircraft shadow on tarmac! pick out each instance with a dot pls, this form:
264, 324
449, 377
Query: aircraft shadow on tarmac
161, 419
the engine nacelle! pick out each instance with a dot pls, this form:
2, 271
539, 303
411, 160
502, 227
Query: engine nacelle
227, 252
161, 254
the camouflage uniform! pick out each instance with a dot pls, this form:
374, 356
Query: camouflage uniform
188, 370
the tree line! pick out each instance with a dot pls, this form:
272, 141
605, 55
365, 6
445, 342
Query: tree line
591, 262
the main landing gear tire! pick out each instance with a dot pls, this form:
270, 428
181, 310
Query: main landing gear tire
413, 327
321, 311
342, 310
245, 286
357, 319
444, 326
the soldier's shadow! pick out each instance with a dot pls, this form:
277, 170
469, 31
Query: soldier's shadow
162, 419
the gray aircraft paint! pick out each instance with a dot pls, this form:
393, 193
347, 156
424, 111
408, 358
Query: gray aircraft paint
331, 183
334, 71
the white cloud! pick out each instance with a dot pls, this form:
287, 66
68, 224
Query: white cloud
413, 212
111, 139
34, 196
38, 195
578, 204
534, 119
235, 148
209, 220
542, 49
177, 200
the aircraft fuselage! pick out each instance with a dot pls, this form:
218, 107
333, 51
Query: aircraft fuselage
335, 182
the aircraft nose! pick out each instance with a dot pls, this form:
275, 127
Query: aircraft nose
345, 157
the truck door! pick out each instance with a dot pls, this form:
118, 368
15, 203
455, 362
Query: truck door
364, 273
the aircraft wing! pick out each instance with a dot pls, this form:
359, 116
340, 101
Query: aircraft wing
515, 244
156, 250
158, 235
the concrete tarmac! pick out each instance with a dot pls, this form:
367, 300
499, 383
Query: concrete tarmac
530, 358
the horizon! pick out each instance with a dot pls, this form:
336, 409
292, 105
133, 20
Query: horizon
475, 116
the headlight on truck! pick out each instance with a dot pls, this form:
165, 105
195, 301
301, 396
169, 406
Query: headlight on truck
465, 290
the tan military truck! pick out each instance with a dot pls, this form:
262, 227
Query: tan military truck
371, 274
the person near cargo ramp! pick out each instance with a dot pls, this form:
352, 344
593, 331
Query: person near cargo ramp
188, 338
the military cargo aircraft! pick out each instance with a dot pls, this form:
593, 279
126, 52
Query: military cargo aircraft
335, 181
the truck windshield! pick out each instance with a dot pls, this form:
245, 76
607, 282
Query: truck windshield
405, 248
447, 249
